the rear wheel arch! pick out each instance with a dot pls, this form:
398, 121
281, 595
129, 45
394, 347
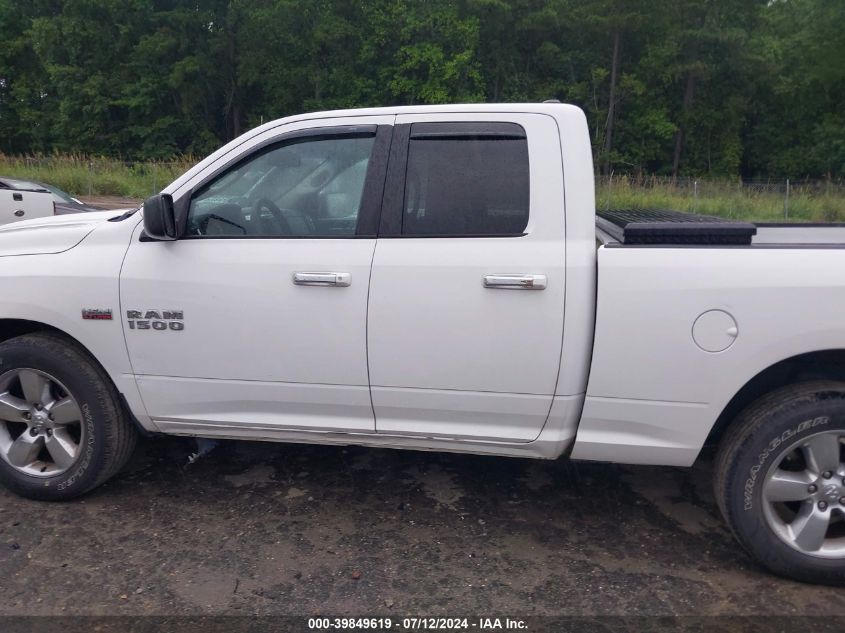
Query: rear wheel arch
777, 480
819, 365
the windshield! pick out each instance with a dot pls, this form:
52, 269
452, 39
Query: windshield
28, 185
58, 194
25, 185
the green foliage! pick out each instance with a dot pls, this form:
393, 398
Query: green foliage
97, 176
800, 123
683, 87
726, 198
820, 202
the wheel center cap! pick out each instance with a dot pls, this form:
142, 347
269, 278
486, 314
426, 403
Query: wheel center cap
831, 491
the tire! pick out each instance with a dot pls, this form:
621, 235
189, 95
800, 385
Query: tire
774, 454
84, 452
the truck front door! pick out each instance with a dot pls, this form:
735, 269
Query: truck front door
256, 319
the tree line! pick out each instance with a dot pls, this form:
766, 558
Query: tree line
679, 87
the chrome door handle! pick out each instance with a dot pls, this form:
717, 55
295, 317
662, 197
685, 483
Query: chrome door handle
322, 279
515, 282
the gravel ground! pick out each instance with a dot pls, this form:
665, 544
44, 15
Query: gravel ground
110, 202
272, 529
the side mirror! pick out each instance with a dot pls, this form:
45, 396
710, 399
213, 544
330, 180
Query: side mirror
160, 217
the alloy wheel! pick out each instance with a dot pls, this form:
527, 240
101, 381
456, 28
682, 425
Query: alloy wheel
804, 495
41, 430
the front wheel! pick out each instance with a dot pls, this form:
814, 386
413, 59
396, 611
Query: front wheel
63, 430
780, 481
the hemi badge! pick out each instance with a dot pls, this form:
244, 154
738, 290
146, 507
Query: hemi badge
96, 314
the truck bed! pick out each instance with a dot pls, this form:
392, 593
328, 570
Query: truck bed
800, 234
648, 227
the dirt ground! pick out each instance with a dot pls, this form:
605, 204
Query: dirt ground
271, 529
110, 202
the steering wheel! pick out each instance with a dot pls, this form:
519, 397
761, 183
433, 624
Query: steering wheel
282, 226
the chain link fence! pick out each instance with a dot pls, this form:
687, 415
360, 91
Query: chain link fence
758, 200
763, 200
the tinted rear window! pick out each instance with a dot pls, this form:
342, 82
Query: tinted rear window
465, 184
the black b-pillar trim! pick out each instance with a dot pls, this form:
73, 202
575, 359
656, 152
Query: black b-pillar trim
394, 189
370, 210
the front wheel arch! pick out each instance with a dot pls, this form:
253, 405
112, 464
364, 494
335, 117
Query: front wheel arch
104, 440
12, 328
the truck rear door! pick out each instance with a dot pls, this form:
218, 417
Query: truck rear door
466, 306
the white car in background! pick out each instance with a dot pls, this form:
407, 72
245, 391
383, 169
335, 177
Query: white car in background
23, 204
29, 199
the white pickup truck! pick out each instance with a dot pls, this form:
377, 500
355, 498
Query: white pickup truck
20, 200
434, 278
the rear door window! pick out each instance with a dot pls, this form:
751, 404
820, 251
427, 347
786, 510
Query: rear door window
465, 179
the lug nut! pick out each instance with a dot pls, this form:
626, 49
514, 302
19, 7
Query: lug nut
822, 505
827, 474
49, 432
37, 406
33, 431
813, 488
842, 501
27, 415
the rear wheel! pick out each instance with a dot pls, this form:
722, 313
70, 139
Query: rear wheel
780, 481
62, 428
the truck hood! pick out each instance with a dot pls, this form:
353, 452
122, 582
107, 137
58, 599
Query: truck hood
46, 236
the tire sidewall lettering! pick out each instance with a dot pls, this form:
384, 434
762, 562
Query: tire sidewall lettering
769, 450
90, 444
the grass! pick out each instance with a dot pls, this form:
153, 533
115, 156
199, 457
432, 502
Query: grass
761, 202
756, 202
91, 176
